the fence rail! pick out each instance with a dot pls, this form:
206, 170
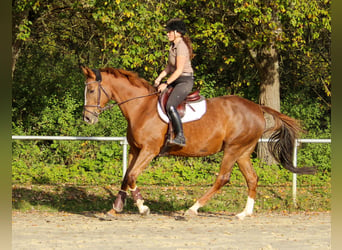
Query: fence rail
295, 150
123, 141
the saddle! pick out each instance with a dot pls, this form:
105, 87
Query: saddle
192, 97
194, 105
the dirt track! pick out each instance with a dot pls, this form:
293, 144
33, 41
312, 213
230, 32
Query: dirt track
42, 230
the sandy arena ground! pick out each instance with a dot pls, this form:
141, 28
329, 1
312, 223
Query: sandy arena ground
45, 230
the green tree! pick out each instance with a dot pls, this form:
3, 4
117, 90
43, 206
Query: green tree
254, 39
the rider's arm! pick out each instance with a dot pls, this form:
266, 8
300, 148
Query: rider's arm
164, 73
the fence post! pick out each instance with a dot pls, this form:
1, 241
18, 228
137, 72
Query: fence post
124, 155
294, 181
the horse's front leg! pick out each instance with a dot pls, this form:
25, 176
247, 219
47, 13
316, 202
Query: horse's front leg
120, 200
139, 201
137, 165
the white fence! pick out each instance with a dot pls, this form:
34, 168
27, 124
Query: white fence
123, 141
297, 143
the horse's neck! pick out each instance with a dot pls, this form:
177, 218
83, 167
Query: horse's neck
133, 109
135, 101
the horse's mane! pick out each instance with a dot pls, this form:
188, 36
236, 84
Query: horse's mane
132, 77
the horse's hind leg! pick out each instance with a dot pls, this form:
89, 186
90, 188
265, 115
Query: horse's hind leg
248, 172
222, 179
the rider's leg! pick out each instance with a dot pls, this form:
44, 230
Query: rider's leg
179, 139
182, 87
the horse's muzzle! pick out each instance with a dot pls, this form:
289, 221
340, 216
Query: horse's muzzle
90, 118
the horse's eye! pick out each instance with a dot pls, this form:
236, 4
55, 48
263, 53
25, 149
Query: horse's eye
91, 91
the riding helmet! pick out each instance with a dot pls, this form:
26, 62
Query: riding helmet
176, 24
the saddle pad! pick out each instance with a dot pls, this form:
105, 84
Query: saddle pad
193, 111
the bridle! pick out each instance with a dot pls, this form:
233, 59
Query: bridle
100, 89
98, 106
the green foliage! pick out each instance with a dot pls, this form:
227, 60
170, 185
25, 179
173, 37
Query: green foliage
65, 161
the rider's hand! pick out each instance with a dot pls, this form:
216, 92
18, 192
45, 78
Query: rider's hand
162, 87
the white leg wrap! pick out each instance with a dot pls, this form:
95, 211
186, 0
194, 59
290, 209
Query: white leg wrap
193, 209
144, 210
248, 211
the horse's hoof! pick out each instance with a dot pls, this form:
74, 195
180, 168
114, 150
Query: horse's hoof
117, 209
145, 210
190, 213
242, 216
111, 213
120, 201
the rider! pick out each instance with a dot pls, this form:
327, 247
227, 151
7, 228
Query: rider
181, 75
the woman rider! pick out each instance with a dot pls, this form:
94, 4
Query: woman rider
181, 75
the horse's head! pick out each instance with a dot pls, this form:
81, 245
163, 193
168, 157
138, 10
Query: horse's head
96, 95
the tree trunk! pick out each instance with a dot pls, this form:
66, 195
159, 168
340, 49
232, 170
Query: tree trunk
266, 60
15, 55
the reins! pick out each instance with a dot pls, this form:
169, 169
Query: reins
131, 99
119, 103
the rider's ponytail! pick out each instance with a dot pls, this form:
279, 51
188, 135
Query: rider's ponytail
188, 43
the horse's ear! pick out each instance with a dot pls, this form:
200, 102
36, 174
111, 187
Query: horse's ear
88, 72
84, 69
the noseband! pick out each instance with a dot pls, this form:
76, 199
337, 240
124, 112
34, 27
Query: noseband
99, 88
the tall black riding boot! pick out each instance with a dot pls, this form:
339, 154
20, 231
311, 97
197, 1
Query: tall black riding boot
179, 139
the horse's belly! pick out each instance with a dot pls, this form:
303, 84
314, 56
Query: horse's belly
197, 146
194, 152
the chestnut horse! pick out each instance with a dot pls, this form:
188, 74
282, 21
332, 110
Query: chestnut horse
231, 124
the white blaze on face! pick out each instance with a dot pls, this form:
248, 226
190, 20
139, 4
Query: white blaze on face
85, 94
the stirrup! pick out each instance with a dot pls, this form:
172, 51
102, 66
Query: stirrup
179, 140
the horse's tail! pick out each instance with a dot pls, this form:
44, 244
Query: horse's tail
282, 141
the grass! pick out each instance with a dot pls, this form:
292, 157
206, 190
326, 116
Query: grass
166, 199
167, 185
